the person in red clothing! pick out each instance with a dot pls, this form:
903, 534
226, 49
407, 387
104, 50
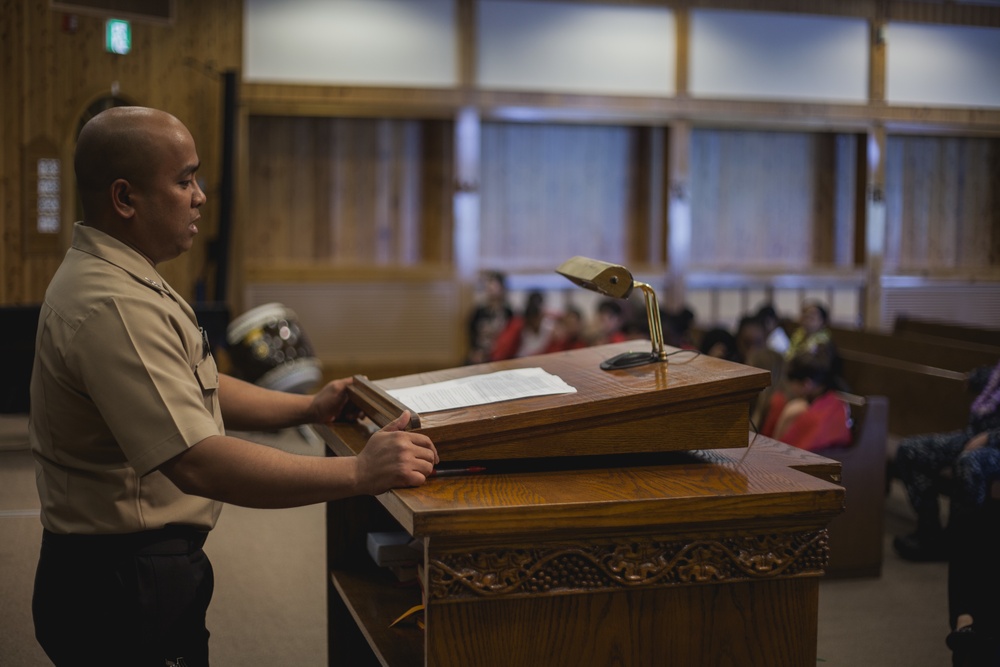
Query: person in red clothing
809, 415
611, 321
489, 318
526, 334
568, 332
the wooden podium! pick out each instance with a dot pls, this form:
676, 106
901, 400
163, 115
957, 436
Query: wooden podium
626, 524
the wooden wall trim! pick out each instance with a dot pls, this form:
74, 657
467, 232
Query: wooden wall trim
743, 113
682, 19
303, 100
916, 11
11, 73
468, 39
277, 99
805, 278
951, 13
299, 272
876, 63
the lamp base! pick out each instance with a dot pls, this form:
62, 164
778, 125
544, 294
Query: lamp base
629, 360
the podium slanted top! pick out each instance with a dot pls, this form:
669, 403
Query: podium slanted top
692, 402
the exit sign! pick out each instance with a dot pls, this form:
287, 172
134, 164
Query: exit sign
117, 36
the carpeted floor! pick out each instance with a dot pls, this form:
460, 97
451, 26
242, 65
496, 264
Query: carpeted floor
270, 600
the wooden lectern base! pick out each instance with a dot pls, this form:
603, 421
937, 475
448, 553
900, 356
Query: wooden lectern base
631, 554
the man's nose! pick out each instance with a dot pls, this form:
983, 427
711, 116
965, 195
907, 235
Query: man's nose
199, 196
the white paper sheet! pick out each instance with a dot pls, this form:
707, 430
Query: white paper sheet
480, 389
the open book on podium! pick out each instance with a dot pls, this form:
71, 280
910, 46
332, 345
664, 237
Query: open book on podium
692, 402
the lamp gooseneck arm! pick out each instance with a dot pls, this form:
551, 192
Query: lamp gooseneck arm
655, 323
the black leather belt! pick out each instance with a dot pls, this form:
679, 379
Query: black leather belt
168, 541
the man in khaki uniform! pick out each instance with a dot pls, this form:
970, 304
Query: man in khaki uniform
127, 410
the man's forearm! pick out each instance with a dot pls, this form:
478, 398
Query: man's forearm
248, 407
243, 473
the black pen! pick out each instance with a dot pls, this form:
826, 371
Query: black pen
456, 471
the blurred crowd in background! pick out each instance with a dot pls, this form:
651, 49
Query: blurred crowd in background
800, 407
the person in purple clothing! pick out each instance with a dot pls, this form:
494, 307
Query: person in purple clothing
968, 543
972, 454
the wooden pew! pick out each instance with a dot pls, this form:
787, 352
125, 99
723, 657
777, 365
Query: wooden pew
944, 332
950, 354
856, 534
923, 380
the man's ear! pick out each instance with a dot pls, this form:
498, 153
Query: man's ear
121, 198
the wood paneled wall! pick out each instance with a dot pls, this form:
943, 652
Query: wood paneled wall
942, 203
326, 181
377, 192
53, 67
374, 192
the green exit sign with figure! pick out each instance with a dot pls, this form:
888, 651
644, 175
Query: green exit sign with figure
118, 36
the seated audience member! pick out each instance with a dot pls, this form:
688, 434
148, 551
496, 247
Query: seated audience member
813, 335
750, 337
776, 336
809, 415
813, 331
971, 454
610, 323
568, 332
973, 587
677, 328
768, 360
489, 318
719, 343
526, 334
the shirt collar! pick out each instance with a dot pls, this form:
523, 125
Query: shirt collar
104, 246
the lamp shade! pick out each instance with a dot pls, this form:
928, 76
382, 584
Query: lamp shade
602, 277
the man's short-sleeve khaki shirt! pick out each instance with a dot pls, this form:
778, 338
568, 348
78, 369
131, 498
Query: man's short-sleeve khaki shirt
122, 382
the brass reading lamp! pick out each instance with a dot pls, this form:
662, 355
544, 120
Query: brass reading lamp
616, 282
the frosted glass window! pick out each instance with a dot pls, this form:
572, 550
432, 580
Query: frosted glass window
576, 48
757, 198
763, 55
942, 65
372, 42
549, 192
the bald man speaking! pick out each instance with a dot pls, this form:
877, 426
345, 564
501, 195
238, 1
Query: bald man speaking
129, 411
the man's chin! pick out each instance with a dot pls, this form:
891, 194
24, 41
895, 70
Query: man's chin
182, 248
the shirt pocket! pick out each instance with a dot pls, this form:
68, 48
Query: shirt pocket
207, 373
